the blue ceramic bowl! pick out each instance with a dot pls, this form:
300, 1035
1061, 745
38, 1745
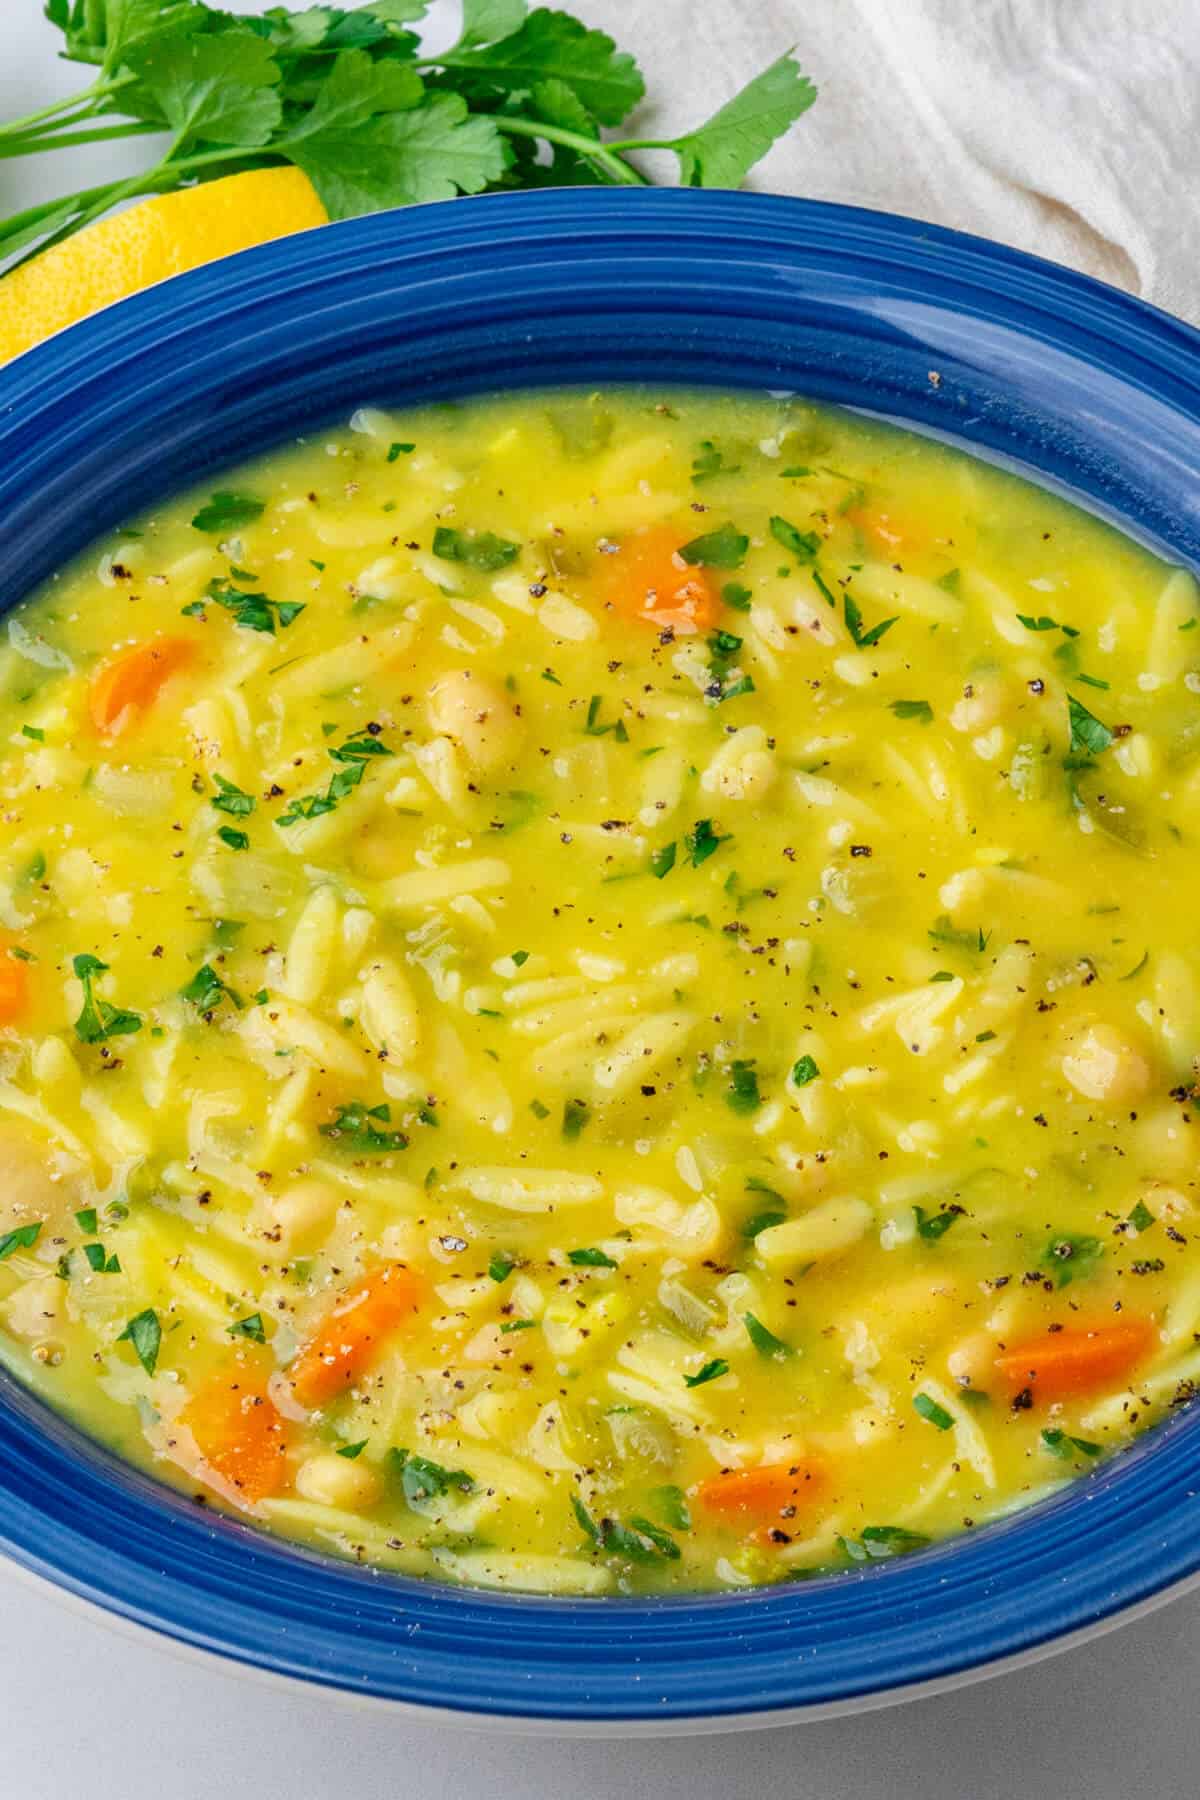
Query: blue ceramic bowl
1079, 386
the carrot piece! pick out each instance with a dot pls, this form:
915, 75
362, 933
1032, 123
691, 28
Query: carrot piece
1059, 1364
648, 579
238, 1431
887, 530
353, 1330
766, 1496
132, 680
14, 989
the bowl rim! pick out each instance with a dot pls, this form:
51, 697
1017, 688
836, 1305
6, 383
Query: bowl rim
1115, 1544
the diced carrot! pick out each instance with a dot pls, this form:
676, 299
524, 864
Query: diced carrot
238, 1431
886, 529
14, 988
354, 1330
766, 1497
131, 681
1056, 1365
648, 579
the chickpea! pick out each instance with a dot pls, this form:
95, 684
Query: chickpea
341, 1481
477, 715
1103, 1064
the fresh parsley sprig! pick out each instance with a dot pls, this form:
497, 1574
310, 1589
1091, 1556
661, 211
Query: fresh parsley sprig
522, 99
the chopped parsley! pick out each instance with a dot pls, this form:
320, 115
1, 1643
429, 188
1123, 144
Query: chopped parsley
663, 861
724, 548
1061, 1444
226, 511
932, 1226
97, 1019
236, 840
877, 1542
481, 550
854, 624
1069, 1258
927, 1408
741, 1092
702, 841
804, 1071
351, 1451
801, 544
501, 1266
594, 728
250, 1327
591, 1259
1088, 733
423, 1480
710, 462
398, 450
252, 610
22, 1237
145, 1334
206, 990
231, 799
736, 596
1141, 1218
576, 1114
764, 1341
354, 1128
710, 1372
352, 758
913, 709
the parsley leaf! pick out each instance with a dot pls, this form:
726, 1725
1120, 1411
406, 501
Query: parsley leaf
479, 550
801, 544
219, 87
764, 1341
145, 1334
804, 1071
252, 611
22, 1237
352, 758
97, 1019
1088, 734
230, 799
702, 841
927, 1407
877, 1542
353, 1128
913, 709
854, 624
1068, 1258
431, 151
721, 152
548, 46
423, 1480
1061, 1444
932, 1226
723, 548
251, 1327
206, 990
226, 511
710, 1372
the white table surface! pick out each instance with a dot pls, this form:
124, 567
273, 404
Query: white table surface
86, 1714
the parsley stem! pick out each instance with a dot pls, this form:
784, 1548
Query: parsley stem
61, 138
601, 155
20, 127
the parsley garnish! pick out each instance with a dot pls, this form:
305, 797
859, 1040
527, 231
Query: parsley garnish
952, 938
709, 462
1065, 1447
353, 1128
928, 1408
1087, 732
206, 990
352, 758
639, 1541
1141, 1218
710, 1372
594, 728
250, 1327
145, 1334
662, 861
736, 596
230, 799
591, 1259
932, 1226
225, 512
478, 550
98, 1020
741, 1094
878, 1542
252, 611
913, 709
576, 1114
764, 1341
424, 1480
100, 1262
723, 548
22, 1237
802, 544
1068, 1258
854, 624
804, 1071
702, 841
236, 840
351, 1451
501, 1266
398, 450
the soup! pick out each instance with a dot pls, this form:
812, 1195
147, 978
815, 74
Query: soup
596, 992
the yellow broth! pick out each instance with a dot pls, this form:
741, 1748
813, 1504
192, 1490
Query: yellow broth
597, 991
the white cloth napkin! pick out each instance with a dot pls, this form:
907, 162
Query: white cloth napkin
1070, 128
